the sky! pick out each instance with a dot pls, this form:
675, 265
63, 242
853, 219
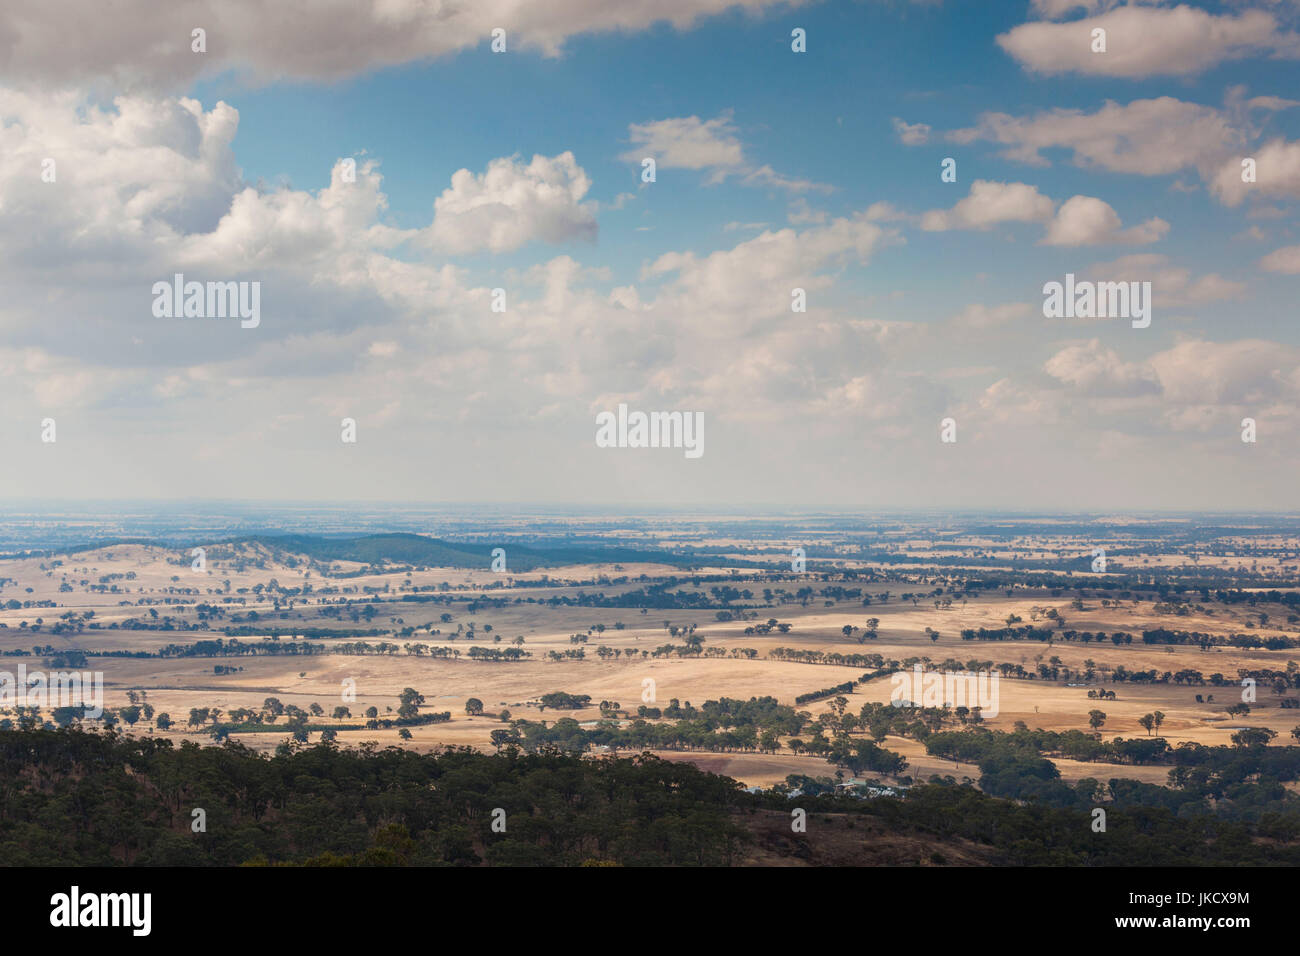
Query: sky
378, 170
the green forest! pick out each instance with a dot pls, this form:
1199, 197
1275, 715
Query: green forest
103, 799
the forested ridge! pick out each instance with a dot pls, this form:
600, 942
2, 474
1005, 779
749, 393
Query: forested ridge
71, 797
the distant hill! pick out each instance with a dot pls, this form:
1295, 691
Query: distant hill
376, 549
417, 549
402, 548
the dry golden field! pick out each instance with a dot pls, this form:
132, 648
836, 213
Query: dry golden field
156, 584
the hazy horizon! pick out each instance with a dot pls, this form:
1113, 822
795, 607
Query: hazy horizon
702, 508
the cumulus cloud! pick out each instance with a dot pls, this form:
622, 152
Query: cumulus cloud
1007, 402
1248, 371
1094, 369
1149, 137
1080, 221
1194, 386
358, 315
754, 279
512, 203
1155, 137
1144, 41
131, 43
1172, 286
149, 187
767, 176
1087, 221
800, 213
990, 203
55, 382
1277, 174
688, 142
911, 134
1286, 259
886, 397
1271, 103
125, 178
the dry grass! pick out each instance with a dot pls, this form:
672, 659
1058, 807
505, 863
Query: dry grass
176, 685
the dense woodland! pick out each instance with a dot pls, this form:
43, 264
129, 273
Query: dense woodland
72, 797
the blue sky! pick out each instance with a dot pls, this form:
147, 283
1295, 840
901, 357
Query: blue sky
776, 169
825, 117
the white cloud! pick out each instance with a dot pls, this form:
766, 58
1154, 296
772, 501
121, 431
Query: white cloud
990, 203
1093, 369
512, 203
884, 211
1271, 103
1150, 137
1277, 174
1007, 403
1172, 286
1087, 221
911, 134
800, 213
753, 280
1155, 137
126, 178
767, 176
149, 188
143, 42
1144, 41
1286, 259
1080, 221
1247, 371
688, 142
358, 315
56, 383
